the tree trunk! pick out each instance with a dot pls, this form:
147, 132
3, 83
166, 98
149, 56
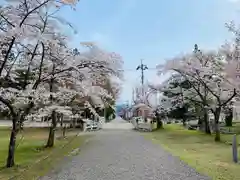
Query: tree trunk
206, 123
159, 122
74, 122
12, 145
81, 125
63, 126
51, 137
184, 121
229, 118
228, 121
61, 120
64, 131
199, 121
20, 123
216, 121
217, 133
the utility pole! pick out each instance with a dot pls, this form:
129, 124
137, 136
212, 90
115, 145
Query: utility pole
142, 67
127, 110
133, 98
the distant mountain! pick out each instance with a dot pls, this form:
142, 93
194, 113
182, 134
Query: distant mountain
119, 107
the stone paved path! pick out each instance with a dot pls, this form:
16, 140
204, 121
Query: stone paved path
118, 123
123, 155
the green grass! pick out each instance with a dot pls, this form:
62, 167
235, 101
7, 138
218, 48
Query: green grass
32, 160
235, 128
154, 126
199, 151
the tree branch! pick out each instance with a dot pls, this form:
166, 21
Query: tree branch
227, 101
7, 21
34, 9
9, 105
7, 54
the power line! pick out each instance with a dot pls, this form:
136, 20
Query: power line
135, 69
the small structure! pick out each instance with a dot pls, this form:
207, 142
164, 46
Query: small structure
142, 110
143, 117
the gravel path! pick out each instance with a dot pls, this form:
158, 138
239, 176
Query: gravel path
123, 155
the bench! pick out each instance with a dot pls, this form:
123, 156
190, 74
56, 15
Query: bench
91, 126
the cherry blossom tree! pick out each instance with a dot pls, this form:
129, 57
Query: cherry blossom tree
105, 71
79, 76
17, 28
25, 29
170, 96
205, 73
39, 74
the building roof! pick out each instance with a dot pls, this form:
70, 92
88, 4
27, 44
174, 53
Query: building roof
142, 106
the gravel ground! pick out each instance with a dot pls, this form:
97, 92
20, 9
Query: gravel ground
123, 155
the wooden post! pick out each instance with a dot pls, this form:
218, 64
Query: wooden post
234, 149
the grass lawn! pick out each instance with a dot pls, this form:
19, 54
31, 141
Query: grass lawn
199, 151
235, 128
32, 160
